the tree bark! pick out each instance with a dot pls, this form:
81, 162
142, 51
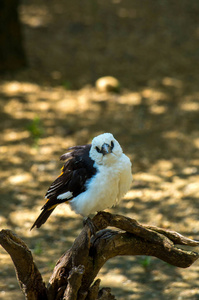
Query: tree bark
75, 271
12, 55
29, 277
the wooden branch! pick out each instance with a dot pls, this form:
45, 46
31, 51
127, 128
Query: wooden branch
77, 255
29, 277
75, 271
136, 240
74, 283
103, 294
103, 220
94, 290
174, 236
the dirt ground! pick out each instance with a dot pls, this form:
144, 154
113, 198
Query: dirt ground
152, 47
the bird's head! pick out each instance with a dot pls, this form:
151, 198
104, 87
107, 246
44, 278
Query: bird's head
105, 149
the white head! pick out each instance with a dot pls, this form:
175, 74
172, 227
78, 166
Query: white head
105, 149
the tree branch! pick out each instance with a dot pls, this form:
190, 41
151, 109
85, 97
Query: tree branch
28, 275
136, 240
77, 255
74, 283
75, 271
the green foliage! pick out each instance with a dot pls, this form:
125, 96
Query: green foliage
35, 129
145, 262
67, 85
38, 248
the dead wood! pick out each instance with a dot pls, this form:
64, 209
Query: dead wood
76, 270
74, 283
29, 277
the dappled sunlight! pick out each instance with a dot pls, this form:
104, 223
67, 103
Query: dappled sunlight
164, 191
14, 136
172, 82
191, 106
55, 104
136, 280
15, 88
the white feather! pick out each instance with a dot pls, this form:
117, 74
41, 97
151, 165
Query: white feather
52, 188
66, 195
111, 182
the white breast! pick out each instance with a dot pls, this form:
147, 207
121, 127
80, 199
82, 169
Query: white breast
105, 189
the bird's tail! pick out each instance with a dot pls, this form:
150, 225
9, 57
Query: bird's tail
44, 215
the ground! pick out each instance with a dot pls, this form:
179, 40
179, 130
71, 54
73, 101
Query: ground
152, 48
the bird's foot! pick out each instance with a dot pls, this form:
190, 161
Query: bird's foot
87, 221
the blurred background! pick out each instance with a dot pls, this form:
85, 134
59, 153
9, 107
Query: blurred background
51, 55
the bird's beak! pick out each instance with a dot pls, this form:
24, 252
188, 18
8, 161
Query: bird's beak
106, 148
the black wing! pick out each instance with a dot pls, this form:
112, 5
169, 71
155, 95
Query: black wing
75, 172
78, 168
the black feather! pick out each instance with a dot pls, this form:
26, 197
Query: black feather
78, 168
44, 215
75, 172
77, 150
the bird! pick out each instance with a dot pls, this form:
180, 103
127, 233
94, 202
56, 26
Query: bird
93, 178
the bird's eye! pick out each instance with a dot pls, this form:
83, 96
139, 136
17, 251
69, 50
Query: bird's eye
98, 150
112, 145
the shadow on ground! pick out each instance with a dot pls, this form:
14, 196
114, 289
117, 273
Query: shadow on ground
152, 50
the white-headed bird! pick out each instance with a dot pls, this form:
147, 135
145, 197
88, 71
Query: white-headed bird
94, 177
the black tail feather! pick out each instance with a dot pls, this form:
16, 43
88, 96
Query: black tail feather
44, 215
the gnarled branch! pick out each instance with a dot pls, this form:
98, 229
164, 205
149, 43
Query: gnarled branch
28, 275
136, 240
75, 271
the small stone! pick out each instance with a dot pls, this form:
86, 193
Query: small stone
108, 84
